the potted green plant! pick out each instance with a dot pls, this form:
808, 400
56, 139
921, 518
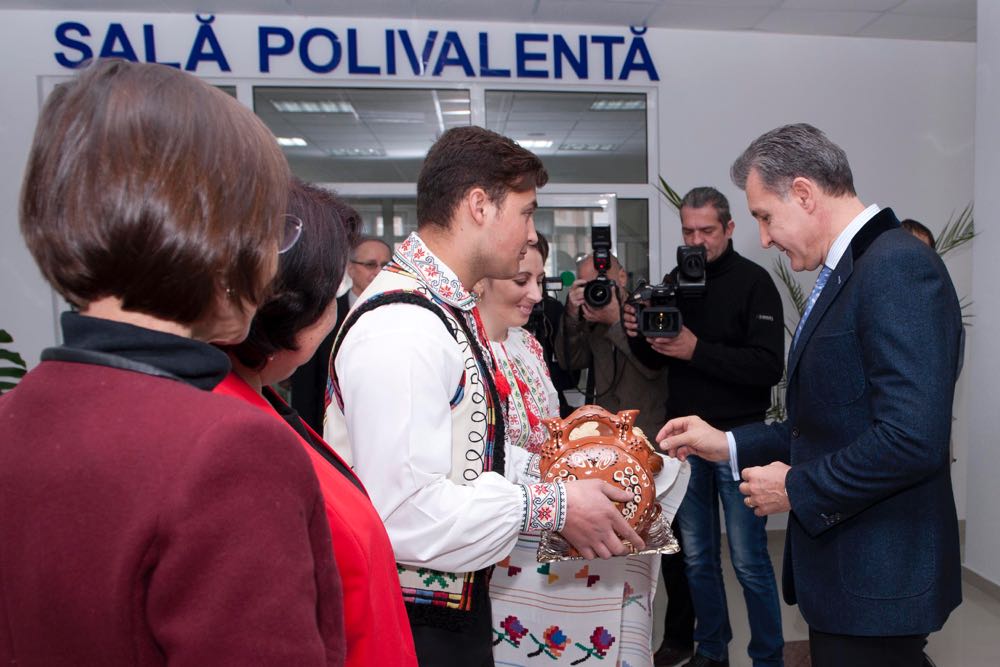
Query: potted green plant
12, 366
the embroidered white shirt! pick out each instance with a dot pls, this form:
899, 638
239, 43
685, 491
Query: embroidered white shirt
398, 369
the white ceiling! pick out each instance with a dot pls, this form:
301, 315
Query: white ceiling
382, 134
944, 20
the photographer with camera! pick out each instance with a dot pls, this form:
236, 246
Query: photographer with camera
592, 337
724, 349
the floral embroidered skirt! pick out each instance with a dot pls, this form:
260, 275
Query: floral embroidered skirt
572, 612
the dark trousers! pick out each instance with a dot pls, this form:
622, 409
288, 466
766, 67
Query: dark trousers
828, 650
438, 647
678, 626
441, 642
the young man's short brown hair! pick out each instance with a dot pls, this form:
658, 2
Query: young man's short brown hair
147, 184
468, 157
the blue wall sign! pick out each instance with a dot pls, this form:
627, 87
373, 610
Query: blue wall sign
401, 51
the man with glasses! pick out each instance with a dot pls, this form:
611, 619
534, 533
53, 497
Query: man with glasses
368, 257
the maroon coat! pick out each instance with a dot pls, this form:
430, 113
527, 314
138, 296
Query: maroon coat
145, 521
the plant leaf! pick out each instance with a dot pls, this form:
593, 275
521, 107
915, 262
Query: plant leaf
670, 194
792, 286
957, 231
13, 357
5, 337
965, 303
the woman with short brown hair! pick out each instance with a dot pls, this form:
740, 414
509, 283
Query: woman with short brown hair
144, 520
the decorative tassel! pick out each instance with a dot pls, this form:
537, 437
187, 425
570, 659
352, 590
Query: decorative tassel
523, 388
503, 387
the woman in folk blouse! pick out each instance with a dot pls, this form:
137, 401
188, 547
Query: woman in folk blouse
573, 610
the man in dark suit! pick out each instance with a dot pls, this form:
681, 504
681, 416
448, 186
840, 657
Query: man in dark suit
872, 554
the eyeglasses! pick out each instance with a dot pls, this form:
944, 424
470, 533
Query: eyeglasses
290, 233
371, 264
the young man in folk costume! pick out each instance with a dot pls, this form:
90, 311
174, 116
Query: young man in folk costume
416, 411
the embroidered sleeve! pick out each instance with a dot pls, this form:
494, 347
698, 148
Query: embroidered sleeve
531, 468
545, 507
536, 349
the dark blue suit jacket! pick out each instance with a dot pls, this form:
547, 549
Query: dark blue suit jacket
872, 544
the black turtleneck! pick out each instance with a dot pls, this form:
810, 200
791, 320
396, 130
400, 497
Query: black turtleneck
94, 340
741, 345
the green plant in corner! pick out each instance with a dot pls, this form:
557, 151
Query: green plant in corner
797, 296
670, 194
957, 232
12, 366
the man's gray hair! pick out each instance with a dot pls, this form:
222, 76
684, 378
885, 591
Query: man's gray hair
781, 155
709, 196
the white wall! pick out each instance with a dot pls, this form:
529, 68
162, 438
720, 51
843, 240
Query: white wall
982, 544
902, 110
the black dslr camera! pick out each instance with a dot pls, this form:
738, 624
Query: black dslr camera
597, 292
656, 305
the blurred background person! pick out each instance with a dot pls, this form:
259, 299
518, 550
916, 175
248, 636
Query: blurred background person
552, 608
919, 230
594, 339
368, 256
308, 383
146, 521
289, 325
544, 325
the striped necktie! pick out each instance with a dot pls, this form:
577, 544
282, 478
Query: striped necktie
824, 275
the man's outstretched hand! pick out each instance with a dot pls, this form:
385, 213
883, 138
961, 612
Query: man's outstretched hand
684, 436
593, 524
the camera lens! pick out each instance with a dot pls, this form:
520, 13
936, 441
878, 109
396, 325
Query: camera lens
694, 266
597, 293
660, 322
691, 263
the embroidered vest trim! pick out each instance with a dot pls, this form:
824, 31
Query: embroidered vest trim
446, 599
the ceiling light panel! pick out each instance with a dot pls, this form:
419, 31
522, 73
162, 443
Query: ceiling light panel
534, 144
312, 106
371, 151
589, 148
618, 105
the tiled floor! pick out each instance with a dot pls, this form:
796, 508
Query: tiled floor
970, 638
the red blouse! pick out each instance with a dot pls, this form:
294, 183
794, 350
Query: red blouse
375, 621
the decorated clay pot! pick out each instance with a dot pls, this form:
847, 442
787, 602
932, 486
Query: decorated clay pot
592, 443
